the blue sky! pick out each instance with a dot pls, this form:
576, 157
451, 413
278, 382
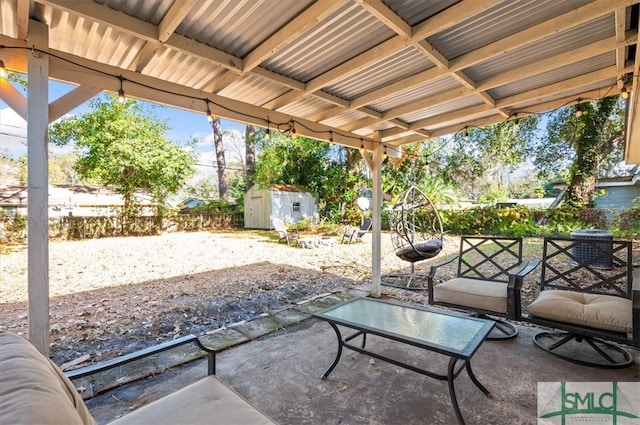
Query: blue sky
184, 126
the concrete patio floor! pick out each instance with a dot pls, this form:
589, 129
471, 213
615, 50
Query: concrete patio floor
280, 374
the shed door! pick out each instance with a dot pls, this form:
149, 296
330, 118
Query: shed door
255, 214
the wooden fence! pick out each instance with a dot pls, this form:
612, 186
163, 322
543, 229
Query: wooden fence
13, 229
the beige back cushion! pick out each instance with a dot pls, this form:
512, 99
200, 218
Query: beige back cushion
33, 390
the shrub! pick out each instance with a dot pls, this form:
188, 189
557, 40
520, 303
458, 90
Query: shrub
303, 225
627, 224
522, 221
561, 221
215, 206
512, 221
385, 216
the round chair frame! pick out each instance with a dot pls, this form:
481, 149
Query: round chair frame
416, 231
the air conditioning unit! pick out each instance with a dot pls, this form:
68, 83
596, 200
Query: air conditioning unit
598, 254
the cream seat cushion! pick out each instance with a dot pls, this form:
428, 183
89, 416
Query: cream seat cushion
606, 312
481, 294
207, 401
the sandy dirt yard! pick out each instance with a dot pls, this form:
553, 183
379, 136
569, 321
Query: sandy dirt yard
116, 295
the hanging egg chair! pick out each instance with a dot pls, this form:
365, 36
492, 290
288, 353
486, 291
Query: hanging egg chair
416, 229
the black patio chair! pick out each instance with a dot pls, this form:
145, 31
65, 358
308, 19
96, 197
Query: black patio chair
355, 234
488, 281
586, 296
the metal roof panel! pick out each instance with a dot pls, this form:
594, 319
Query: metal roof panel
453, 105
415, 11
561, 74
148, 10
503, 19
393, 68
430, 88
90, 40
253, 89
306, 106
343, 35
565, 41
180, 68
238, 27
345, 119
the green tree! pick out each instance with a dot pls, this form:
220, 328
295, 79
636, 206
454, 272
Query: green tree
122, 145
62, 170
20, 79
287, 160
410, 169
494, 193
317, 166
590, 137
527, 186
475, 159
237, 189
438, 191
205, 189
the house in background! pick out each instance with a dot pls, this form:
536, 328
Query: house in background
73, 200
13, 201
189, 204
287, 202
619, 192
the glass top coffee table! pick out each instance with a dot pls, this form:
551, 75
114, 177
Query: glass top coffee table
452, 335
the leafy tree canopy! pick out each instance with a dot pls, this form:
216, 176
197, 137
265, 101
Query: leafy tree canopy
589, 142
123, 146
317, 166
476, 159
292, 160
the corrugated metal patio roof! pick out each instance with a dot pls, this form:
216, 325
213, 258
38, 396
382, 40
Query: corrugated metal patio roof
385, 71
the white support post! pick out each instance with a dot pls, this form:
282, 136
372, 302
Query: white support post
376, 210
38, 188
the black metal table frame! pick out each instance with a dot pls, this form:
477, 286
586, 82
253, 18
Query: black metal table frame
452, 371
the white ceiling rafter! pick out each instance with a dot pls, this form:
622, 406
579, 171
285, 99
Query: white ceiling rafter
174, 16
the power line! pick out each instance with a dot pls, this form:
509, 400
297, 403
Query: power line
13, 135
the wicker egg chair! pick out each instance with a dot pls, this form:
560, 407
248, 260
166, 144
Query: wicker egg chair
416, 231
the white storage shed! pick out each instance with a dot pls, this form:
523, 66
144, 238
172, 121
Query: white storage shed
288, 202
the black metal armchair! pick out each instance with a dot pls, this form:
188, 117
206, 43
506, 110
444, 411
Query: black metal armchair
587, 295
490, 274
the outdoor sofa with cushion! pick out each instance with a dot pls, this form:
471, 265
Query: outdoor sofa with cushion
33, 390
